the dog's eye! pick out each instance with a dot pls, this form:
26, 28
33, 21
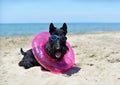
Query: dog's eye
54, 37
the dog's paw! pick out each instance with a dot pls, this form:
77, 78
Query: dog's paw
25, 64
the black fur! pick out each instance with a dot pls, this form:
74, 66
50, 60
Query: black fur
56, 49
59, 45
28, 59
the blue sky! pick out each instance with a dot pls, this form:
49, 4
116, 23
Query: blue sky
38, 11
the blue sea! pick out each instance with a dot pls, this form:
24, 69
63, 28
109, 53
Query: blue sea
34, 28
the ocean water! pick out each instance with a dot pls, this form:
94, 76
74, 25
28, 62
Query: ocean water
34, 28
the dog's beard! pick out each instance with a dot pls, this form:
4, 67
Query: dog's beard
56, 46
56, 54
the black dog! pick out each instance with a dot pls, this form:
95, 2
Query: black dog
55, 47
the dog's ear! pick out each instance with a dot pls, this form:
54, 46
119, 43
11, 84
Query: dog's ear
64, 28
51, 28
22, 52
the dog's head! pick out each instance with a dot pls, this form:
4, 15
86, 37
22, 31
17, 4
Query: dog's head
56, 46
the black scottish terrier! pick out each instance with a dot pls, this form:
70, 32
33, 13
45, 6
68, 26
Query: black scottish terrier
55, 47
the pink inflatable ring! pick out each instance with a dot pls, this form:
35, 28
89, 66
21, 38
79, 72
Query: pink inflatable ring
55, 66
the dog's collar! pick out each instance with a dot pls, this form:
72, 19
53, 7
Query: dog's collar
54, 37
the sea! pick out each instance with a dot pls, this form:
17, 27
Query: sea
16, 29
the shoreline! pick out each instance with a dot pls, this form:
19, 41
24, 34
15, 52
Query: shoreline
94, 32
97, 55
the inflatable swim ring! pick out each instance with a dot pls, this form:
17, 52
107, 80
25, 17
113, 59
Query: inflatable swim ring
55, 66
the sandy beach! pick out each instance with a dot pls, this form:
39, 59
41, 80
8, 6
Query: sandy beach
97, 60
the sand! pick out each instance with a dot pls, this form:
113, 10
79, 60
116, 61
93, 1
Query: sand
97, 59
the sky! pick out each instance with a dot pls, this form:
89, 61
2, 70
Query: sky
40, 11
